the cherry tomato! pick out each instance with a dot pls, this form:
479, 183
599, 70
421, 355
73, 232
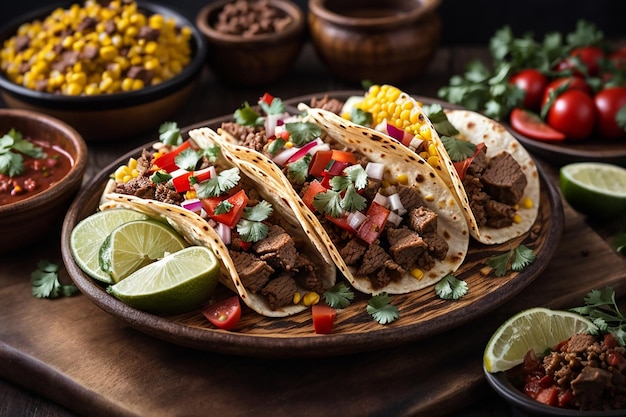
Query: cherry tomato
531, 125
572, 113
224, 314
323, 318
562, 84
532, 82
589, 56
619, 57
609, 102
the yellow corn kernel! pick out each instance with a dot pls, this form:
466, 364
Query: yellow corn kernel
426, 132
190, 195
132, 163
485, 271
92, 89
297, 297
432, 150
429, 197
402, 179
310, 298
433, 161
517, 218
417, 273
288, 144
527, 203
108, 52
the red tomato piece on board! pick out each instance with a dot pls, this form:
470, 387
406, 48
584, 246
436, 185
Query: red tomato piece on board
224, 314
531, 125
533, 83
323, 318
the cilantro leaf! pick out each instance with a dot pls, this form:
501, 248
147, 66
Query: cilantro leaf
329, 203
437, 116
160, 177
259, 212
251, 227
522, 257
169, 134
451, 288
361, 117
187, 159
275, 146
353, 201
223, 207
298, 171
12, 146
275, 107
357, 175
381, 309
338, 296
601, 307
211, 152
302, 133
45, 282
247, 116
457, 149
214, 187
500, 263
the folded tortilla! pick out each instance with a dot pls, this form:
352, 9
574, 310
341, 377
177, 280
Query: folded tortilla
199, 232
437, 197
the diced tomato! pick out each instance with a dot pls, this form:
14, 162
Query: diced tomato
374, 224
342, 222
166, 161
337, 167
616, 359
610, 341
315, 187
461, 166
319, 162
323, 318
566, 397
239, 200
549, 396
224, 314
181, 182
267, 98
344, 156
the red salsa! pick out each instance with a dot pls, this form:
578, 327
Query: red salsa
36, 174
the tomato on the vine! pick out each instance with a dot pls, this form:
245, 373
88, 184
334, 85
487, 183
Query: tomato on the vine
562, 84
573, 113
590, 56
610, 102
224, 314
531, 125
532, 82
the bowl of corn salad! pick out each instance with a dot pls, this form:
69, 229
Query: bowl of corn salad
109, 69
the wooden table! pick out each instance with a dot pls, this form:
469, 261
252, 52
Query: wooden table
66, 357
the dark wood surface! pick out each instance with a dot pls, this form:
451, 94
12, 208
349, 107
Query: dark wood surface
67, 357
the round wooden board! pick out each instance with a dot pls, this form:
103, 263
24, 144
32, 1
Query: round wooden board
422, 313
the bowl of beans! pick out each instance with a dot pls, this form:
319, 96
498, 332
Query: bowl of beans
110, 69
42, 164
252, 42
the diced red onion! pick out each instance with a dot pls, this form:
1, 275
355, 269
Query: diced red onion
394, 218
271, 121
224, 233
193, 204
355, 219
395, 204
304, 150
375, 170
415, 143
282, 157
380, 199
395, 132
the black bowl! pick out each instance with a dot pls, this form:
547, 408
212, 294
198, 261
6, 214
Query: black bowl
118, 115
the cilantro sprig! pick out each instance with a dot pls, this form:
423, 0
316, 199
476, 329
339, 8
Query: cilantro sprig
381, 309
169, 134
602, 309
516, 259
451, 288
339, 296
251, 227
12, 148
301, 133
223, 182
45, 282
343, 196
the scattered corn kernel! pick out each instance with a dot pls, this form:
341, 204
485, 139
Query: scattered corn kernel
403, 179
485, 271
297, 297
517, 218
429, 197
417, 273
310, 298
526, 203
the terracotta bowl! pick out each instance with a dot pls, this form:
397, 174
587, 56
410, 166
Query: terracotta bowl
27, 221
257, 59
111, 117
369, 40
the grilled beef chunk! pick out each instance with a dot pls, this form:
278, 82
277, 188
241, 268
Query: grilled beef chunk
390, 271
306, 275
327, 103
253, 272
369, 192
280, 291
353, 251
374, 258
248, 136
405, 246
422, 220
498, 214
139, 186
437, 245
409, 197
479, 163
277, 249
167, 194
504, 179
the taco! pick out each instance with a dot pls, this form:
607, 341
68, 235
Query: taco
390, 223
269, 254
495, 179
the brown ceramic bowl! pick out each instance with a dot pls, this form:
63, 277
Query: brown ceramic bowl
111, 117
369, 40
257, 59
29, 220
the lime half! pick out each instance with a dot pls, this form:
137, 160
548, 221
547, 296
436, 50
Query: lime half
179, 282
136, 244
89, 234
595, 189
537, 329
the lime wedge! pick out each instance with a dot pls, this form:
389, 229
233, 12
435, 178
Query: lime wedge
595, 189
179, 282
537, 329
88, 235
136, 244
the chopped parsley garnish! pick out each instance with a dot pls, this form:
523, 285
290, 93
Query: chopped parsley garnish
451, 288
275, 107
338, 296
223, 207
516, 259
247, 116
333, 203
251, 227
45, 281
301, 133
169, 134
12, 146
160, 177
361, 117
602, 309
457, 149
381, 309
298, 171
187, 159
215, 187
